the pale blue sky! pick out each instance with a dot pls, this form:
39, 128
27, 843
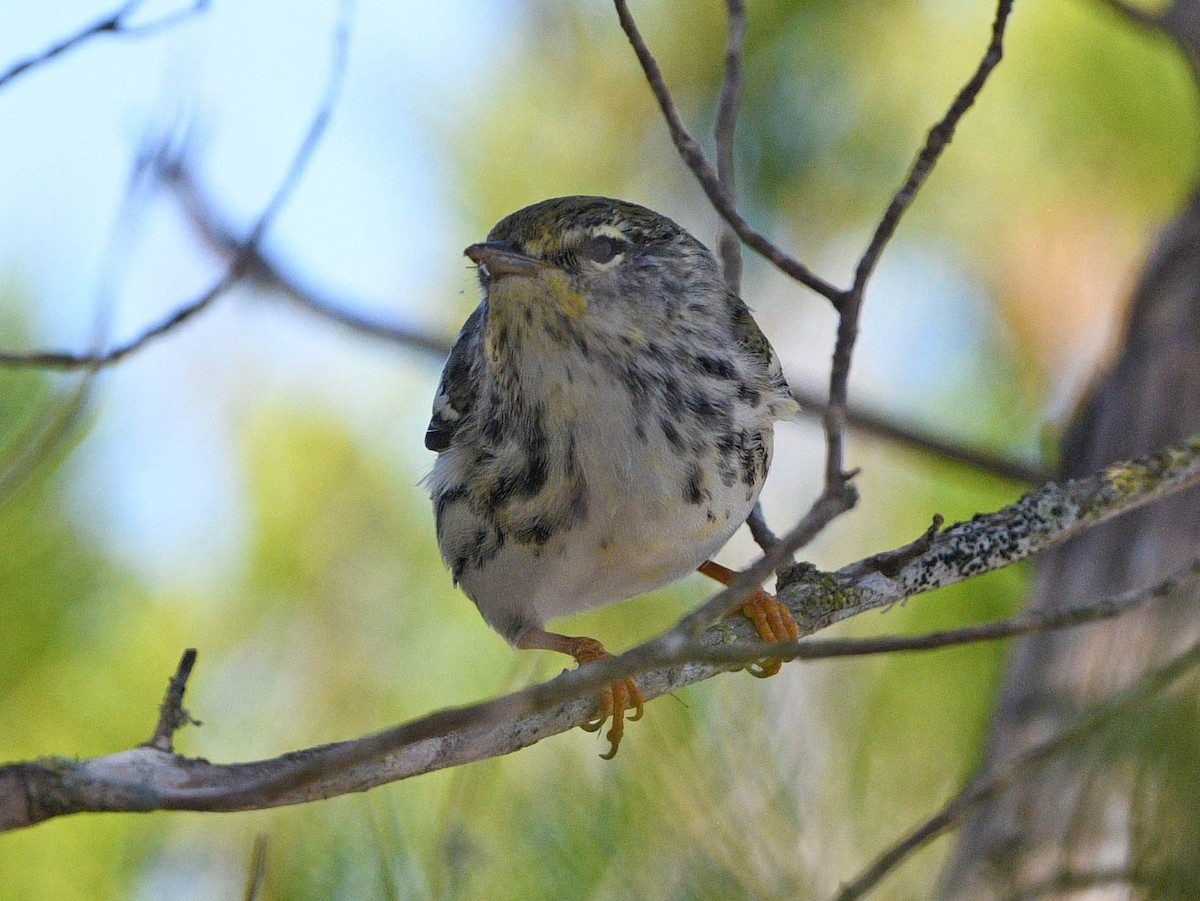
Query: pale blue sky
371, 220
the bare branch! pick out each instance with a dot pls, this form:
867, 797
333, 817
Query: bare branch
258, 868
850, 307
759, 530
171, 715
300, 160
39, 444
868, 422
704, 172
838, 495
939, 137
114, 24
982, 789
729, 248
147, 778
61, 359
220, 238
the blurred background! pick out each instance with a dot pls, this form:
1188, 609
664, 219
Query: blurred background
250, 484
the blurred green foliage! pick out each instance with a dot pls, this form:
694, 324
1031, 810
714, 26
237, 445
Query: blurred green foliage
341, 618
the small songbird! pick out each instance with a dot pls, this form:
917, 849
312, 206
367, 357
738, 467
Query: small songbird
603, 425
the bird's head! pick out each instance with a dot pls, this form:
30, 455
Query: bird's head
599, 264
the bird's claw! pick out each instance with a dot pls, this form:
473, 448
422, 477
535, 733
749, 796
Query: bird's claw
774, 623
615, 700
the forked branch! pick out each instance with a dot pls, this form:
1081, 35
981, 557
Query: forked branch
148, 778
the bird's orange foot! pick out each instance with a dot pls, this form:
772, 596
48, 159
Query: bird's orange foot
772, 619
774, 622
616, 700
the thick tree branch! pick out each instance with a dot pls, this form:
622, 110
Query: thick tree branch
147, 778
116, 23
1027, 623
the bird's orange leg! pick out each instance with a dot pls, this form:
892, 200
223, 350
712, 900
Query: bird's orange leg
772, 620
615, 700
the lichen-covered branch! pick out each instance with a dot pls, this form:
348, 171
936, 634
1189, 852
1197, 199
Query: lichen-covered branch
148, 778
1042, 518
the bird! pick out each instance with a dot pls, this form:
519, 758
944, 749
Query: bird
603, 424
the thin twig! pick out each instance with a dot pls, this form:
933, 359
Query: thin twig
759, 530
258, 868
984, 788
694, 156
218, 236
164, 22
113, 24
850, 307
891, 563
826, 508
39, 444
171, 715
935, 143
877, 425
729, 248
241, 264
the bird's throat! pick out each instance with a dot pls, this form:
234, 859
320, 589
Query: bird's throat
542, 309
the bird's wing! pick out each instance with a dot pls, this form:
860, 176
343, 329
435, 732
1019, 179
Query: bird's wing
457, 388
755, 344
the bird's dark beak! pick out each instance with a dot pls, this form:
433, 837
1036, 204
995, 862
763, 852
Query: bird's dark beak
497, 259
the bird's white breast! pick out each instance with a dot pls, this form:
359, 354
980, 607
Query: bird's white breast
641, 530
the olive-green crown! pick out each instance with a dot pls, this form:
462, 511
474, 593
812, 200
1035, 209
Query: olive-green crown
541, 228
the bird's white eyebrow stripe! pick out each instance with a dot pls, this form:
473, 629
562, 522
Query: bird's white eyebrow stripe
607, 230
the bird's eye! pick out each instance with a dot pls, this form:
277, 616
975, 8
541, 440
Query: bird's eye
602, 249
